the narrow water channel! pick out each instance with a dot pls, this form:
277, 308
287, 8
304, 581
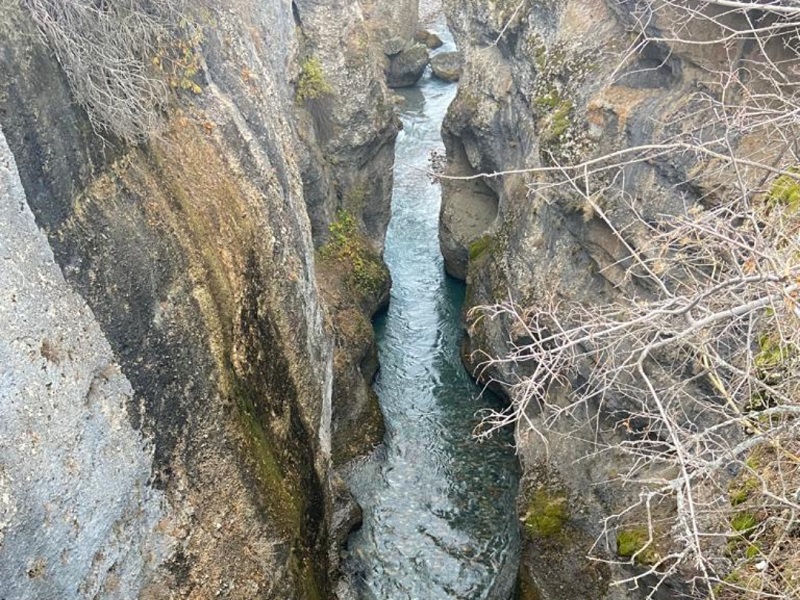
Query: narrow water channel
439, 519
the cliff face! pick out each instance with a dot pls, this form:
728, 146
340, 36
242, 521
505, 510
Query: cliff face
542, 87
347, 132
166, 404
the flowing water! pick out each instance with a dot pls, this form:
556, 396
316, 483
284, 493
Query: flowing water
439, 519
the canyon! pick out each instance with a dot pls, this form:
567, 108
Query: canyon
194, 263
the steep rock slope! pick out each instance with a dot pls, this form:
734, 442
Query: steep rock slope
545, 85
347, 131
201, 353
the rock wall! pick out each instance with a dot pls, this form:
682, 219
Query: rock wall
167, 403
399, 19
540, 87
64, 403
347, 135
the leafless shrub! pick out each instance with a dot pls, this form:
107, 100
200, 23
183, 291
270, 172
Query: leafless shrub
106, 48
699, 364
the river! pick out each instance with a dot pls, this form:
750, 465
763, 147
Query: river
439, 518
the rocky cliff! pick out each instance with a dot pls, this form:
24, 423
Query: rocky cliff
547, 85
168, 359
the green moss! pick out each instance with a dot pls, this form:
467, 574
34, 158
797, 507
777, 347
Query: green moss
480, 246
559, 121
311, 84
785, 190
743, 522
741, 490
772, 352
284, 507
547, 514
753, 550
635, 543
283, 499
772, 361
348, 247
548, 101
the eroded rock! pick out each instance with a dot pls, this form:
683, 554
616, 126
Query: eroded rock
446, 66
431, 40
547, 95
193, 253
406, 67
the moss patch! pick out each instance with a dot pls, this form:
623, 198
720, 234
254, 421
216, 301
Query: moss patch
480, 246
785, 190
772, 352
547, 514
349, 248
635, 543
311, 84
559, 121
285, 507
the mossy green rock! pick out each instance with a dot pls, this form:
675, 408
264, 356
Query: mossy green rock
547, 514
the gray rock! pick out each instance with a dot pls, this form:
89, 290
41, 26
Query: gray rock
429, 38
399, 17
406, 68
211, 309
468, 210
78, 518
447, 66
394, 45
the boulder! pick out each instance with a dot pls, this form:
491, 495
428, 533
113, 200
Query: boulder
406, 67
393, 46
429, 38
447, 66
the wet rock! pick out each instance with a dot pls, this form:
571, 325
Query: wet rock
468, 210
429, 38
447, 66
406, 67
346, 514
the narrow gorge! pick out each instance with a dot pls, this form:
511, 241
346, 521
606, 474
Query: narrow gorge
288, 313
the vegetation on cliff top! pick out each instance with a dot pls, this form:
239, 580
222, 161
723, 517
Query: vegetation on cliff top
122, 58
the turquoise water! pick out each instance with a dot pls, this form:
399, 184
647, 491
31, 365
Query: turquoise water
439, 518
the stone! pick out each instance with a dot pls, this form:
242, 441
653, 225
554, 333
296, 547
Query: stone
66, 436
401, 17
406, 68
447, 66
429, 38
394, 45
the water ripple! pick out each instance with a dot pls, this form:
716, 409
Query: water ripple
439, 518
